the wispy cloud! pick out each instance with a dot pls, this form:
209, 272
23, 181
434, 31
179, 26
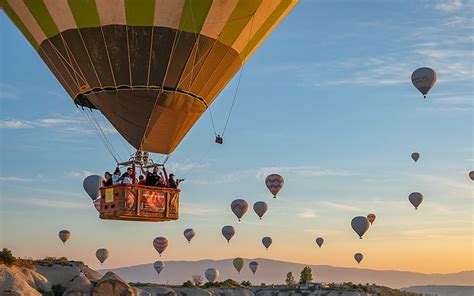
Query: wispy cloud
52, 203
195, 209
449, 5
303, 171
339, 206
14, 179
7, 91
308, 214
182, 167
445, 181
77, 174
45, 122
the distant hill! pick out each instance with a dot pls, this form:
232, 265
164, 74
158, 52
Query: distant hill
274, 272
442, 290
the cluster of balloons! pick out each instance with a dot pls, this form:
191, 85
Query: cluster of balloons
239, 264
101, 254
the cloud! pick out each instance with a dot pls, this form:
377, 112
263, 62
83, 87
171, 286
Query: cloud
76, 174
185, 166
446, 181
15, 124
303, 171
7, 91
14, 179
194, 209
52, 203
449, 5
308, 214
342, 207
45, 122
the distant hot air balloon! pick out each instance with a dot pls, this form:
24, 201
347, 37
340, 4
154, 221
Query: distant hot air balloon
239, 207
423, 79
415, 198
92, 184
170, 58
267, 241
253, 266
64, 235
360, 224
274, 183
358, 257
320, 241
211, 274
371, 218
97, 204
160, 244
159, 266
102, 255
471, 175
415, 156
189, 234
238, 264
228, 232
260, 208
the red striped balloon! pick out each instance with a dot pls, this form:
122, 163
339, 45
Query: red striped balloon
239, 207
371, 218
160, 244
274, 183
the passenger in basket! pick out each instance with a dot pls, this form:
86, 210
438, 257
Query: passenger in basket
116, 176
174, 183
108, 179
126, 178
152, 178
141, 180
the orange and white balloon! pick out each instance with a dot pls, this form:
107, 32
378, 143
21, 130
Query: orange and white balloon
274, 183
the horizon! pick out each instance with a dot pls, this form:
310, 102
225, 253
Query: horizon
326, 101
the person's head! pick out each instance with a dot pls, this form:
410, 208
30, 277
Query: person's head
129, 170
107, 175
172, 176
141, 177
155, 170
117, 171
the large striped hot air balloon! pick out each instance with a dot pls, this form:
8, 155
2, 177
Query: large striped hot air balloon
151, 67
239, 208
160, 244
274, 183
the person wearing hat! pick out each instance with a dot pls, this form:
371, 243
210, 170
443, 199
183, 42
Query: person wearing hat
126, 177
174, 183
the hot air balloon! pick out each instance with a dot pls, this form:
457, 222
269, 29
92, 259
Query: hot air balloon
64, 235
415, 156
92, 184
267, 241
423, 79
415, 198
274, 183
320, 241
238, 264
260, 208
189, 234
358, 257
253, 266
211, 274
239, 207
97, 204
228, 232
471, 175
159, 266
152, 68
160, 244
371, 218
102, 255
360, 224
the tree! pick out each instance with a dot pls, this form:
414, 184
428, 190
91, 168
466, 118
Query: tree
197, 280
246, 284
188, 284
306, 275
290, 280
6, 257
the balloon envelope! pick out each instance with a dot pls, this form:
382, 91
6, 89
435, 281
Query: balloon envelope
160, 244
159, 266
423, 79
371, 218
238, 264
92, 184
274, 183
320, 241
415, 198
267, 241
360, 224
358, 257
260, 208
151, 67
228, 232
102, 255
239, 207
189, 234
253, 266
471, 175
415, 156
211, 274
97, 204
64, 235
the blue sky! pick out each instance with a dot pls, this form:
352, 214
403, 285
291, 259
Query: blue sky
326, 102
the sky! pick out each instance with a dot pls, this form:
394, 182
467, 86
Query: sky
326, 102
